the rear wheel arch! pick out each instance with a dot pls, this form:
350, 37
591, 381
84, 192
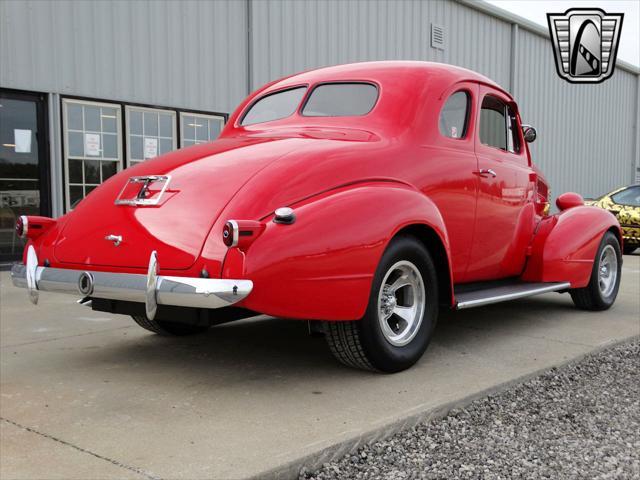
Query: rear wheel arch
434, 244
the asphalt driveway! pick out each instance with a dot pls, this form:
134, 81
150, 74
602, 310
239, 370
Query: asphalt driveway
88, 395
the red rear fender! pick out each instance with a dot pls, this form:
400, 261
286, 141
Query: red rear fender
322, 266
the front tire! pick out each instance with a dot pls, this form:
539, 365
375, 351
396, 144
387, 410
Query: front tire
168, 329
602, 290
400, 317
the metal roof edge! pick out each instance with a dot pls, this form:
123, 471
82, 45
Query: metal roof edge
533, 27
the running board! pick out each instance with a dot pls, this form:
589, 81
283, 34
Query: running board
504, 293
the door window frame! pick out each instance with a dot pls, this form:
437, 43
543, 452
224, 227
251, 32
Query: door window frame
42, 139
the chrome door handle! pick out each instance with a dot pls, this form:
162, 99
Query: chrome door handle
485, 172
116, 239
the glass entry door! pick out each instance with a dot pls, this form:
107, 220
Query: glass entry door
24, 166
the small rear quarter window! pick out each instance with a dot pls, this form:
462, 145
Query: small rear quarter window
274, 106
341, 100
454, 115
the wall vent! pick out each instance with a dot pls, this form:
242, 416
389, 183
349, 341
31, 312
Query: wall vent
437, 36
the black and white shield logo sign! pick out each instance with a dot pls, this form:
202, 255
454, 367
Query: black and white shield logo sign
585, 43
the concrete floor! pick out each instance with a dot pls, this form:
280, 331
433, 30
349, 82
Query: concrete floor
88, 395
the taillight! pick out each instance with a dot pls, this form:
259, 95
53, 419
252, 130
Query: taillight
22, 226
241, 233
230, 234
32, 226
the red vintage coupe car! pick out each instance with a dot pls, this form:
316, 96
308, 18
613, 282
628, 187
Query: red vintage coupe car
361, 197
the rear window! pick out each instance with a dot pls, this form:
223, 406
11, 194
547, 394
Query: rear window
341, 100
274, 106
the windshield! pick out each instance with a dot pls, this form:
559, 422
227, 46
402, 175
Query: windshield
341, 100
274, 106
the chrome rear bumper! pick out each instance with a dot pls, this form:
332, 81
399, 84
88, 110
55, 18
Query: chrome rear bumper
151, 289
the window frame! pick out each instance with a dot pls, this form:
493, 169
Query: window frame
119, 161
127, 111
505, 112
313, 88
467, 120
189, 113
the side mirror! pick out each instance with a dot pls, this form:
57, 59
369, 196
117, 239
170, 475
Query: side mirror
529, 133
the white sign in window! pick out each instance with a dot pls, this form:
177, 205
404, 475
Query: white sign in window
150, 132
92, 146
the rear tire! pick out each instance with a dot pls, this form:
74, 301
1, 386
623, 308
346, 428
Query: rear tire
401, 314
602, 290
629, 249
168, 329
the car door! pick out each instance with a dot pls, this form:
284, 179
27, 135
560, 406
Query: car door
505, 212
448, 164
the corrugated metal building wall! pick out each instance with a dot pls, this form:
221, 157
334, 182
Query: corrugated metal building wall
208, 55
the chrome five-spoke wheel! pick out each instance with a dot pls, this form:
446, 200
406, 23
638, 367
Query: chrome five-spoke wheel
401, 303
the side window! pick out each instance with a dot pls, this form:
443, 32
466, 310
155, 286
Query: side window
454, 116
493, 123
498, 125
630, 196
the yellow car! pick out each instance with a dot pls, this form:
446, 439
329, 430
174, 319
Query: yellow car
624, 203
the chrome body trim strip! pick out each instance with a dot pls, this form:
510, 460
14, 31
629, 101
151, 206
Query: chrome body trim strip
151, 289
503, 294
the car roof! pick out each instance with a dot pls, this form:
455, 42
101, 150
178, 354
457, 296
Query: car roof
383, 71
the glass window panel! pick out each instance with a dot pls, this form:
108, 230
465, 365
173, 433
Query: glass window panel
188, 128
202, 129
454, 114
214, 128
91, 171
166, 125
108, 170
135, 122
340, 100
89, 189
136, 148
493, 127
150, 124
274, 106
75, 195
187, 143
91, 118
166, 145
109, 118
76, 144
74, 116
75, 171
109, 146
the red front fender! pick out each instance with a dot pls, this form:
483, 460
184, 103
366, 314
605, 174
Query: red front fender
322, 266
565, 245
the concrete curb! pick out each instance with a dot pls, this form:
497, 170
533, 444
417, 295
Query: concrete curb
314, 461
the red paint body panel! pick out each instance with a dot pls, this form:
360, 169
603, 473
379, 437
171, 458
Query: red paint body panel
565, 245
354, 182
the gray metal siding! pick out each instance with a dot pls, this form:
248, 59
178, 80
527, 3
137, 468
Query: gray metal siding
290, 36
586, 133
186, 54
